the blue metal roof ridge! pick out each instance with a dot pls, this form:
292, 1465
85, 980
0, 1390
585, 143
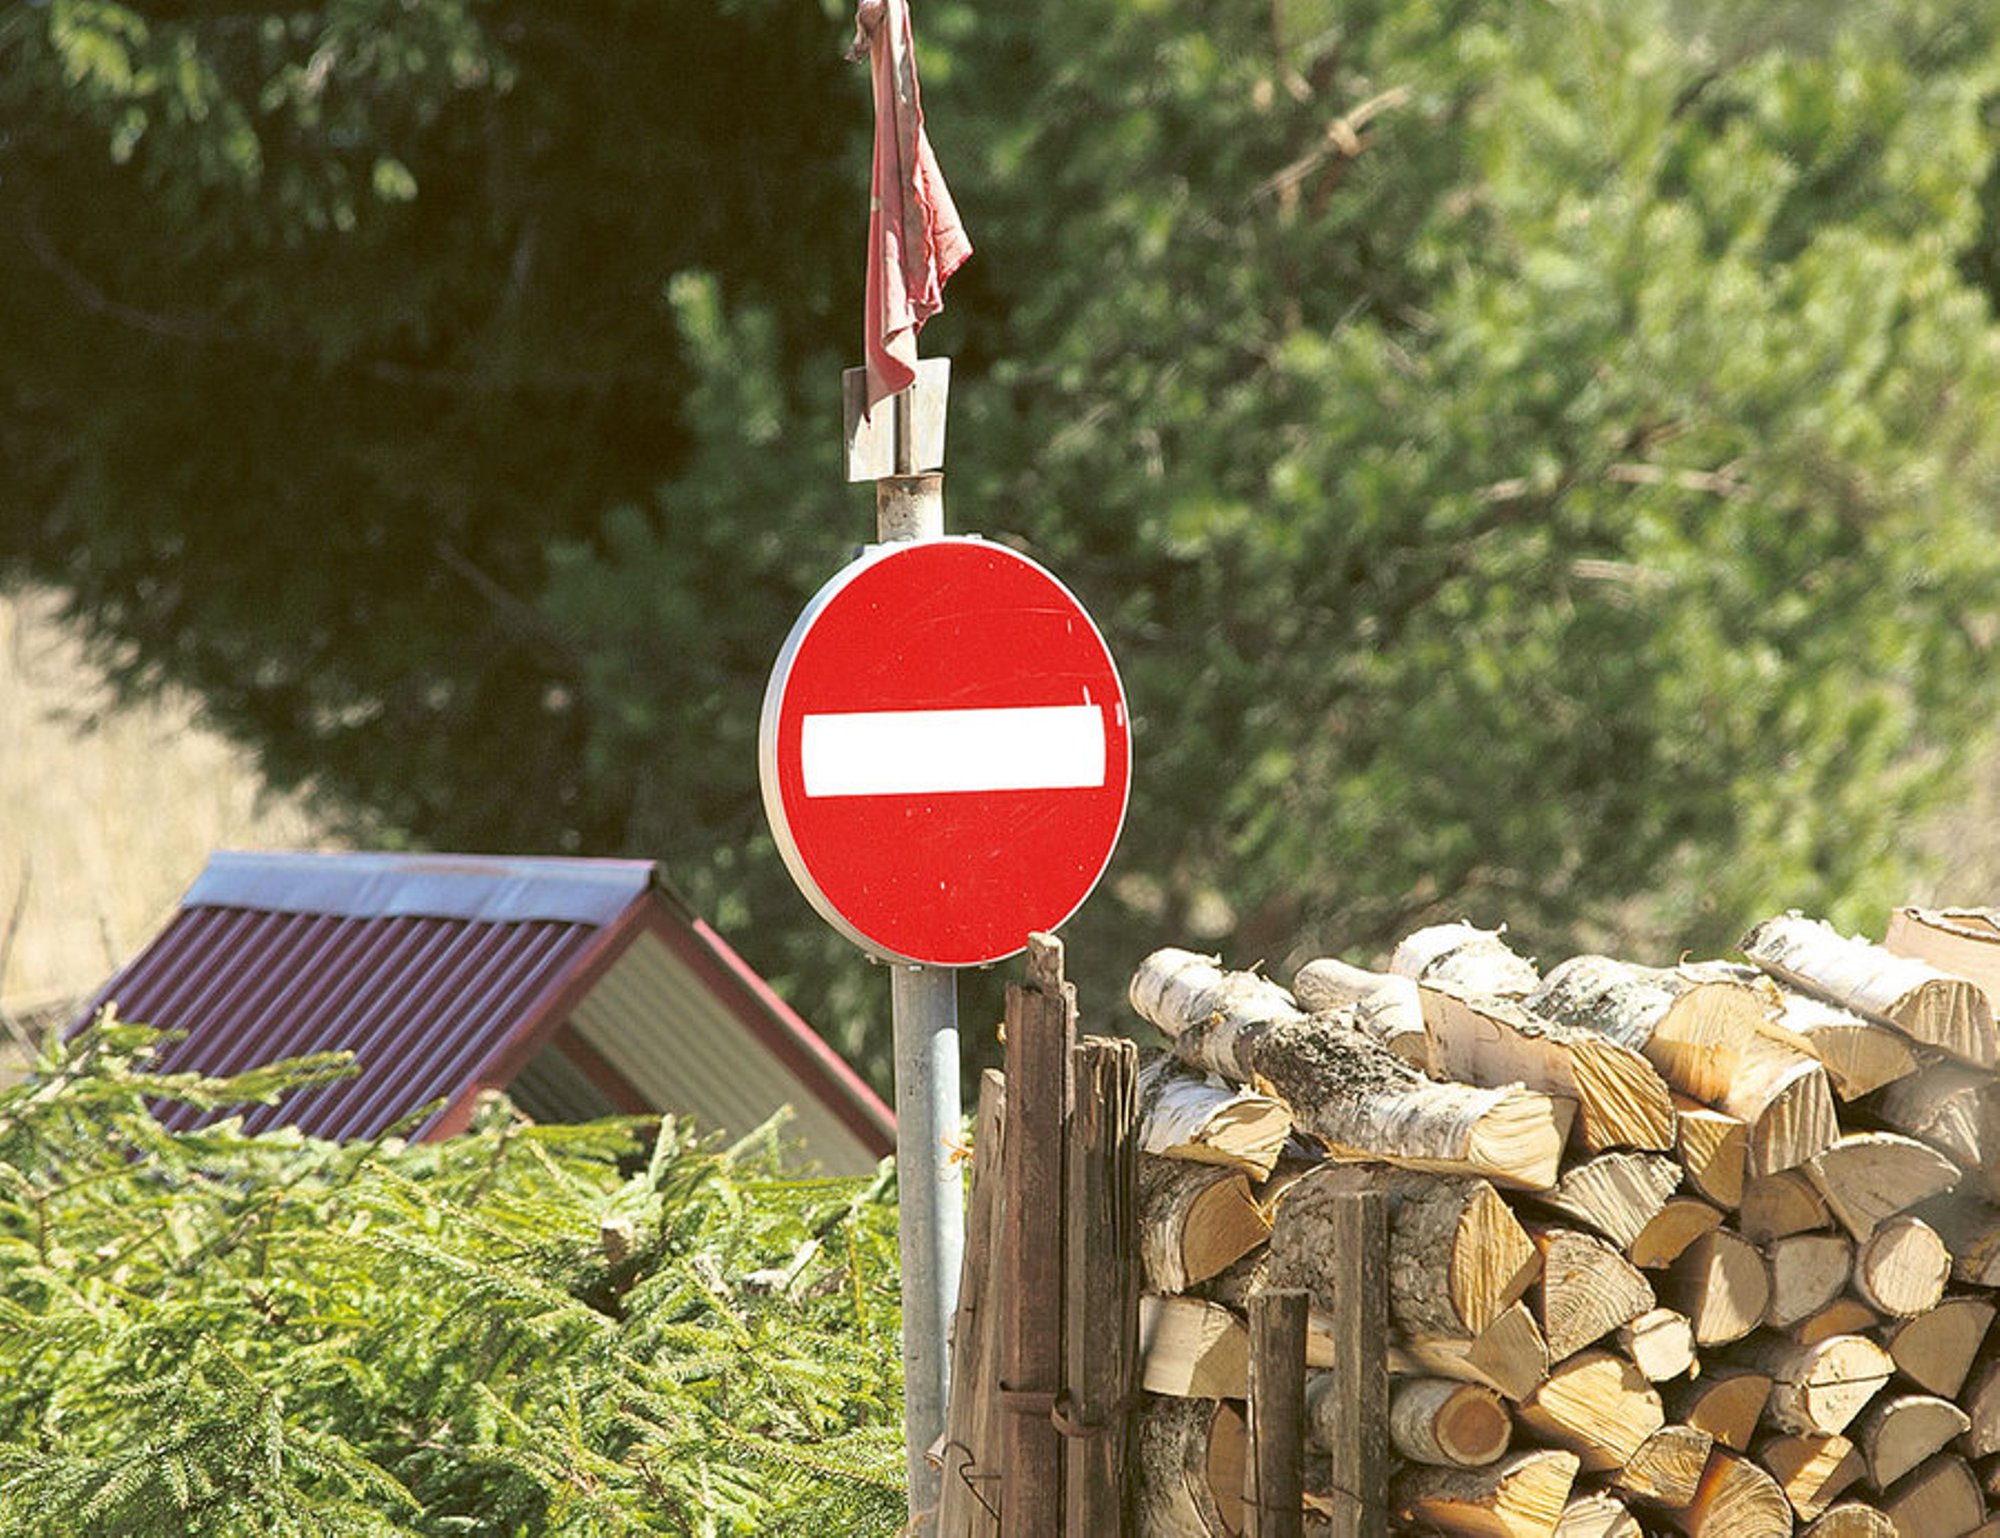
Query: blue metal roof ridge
488, 888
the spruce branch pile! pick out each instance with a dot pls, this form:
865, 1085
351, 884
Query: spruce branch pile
524, 1330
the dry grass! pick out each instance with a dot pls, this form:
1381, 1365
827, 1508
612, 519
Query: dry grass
106, 814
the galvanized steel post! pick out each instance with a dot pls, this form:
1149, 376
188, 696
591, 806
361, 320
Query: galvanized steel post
924, 1014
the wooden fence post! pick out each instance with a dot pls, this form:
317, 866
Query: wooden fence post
1274, 1474
1100, 1285
1357, 1430
969, 1499
1041, 1029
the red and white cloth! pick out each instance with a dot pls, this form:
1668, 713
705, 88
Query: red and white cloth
915, 240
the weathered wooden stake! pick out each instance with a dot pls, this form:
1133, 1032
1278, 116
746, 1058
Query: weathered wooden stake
1274, 1475
1100, 1325
970, 1457
1041, 1029
1356, 1428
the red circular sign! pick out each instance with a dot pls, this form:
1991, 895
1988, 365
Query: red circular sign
944, 752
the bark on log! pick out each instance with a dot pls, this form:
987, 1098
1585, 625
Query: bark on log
1477, 961
1680, 1221
1385, 1007
1925, 1004
1614, 1194
1935, 1350
1193, 1117
1900, 1269
1433, 1420
1811, 1469
1586, 1290
1859, 1055
1190, 1457
1736, 1499
1693, 1029
1621, 1100
1597, 1405
1721, 1284
1521, 1496
1899, 1431
1938, 1499
1866, 1178
1821, 1387
1195, 1220
1343, 1088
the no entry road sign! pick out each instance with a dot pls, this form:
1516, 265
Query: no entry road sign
944, 752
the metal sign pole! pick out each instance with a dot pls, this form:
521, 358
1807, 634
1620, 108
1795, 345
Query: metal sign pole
924, 1013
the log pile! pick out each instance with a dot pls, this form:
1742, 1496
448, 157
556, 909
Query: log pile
1710, 1249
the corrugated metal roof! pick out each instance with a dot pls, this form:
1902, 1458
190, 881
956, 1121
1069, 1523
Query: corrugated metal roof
447, 975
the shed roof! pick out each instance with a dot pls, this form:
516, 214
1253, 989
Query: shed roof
586, 981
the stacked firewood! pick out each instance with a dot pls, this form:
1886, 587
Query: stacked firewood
1709, 1249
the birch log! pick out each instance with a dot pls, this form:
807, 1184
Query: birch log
1693, 1029
1385, 1007
1463, 956
1621, 1100
1195, 1220
1925, 1004
1962, 941
1362, 1100
1192, 1116
1189, 1455
1821, 1387
1783, 1098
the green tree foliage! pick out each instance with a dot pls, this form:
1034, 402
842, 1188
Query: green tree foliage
1531, 461
525, 1330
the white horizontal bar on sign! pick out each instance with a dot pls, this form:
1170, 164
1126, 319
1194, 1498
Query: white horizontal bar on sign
924, 752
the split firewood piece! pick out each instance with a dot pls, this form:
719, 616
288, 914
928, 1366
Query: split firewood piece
1721, 1284
1778, 1204
1356, 1096
1195, 1220
1692, 1028
1615, 1194
1783, 1098
1899, 1431
1939, 1498
1586, 1290
1660, 1343
1859, 1055
1385, 1006
1900, 1269
1866, 1178
1726, 1401
1667, 1468
1951, 1106
1982, 1404
1843, 1316
1621, 1100
1521, 1496
1509, 1355
1596, 1404
1808, 1271
1925, 1004
1850, 1519
1820, 1387
1457, 1254
1962, 941
1935, 1350
1970, 1229
1192, 1116
1189, 1456
1474, 960
1597, 1515
1680, 1221
1431, 1420
1192, 1348
1736, 1499
1714, 1150
1811, 1469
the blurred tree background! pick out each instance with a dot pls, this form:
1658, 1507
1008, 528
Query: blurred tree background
1533, 462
